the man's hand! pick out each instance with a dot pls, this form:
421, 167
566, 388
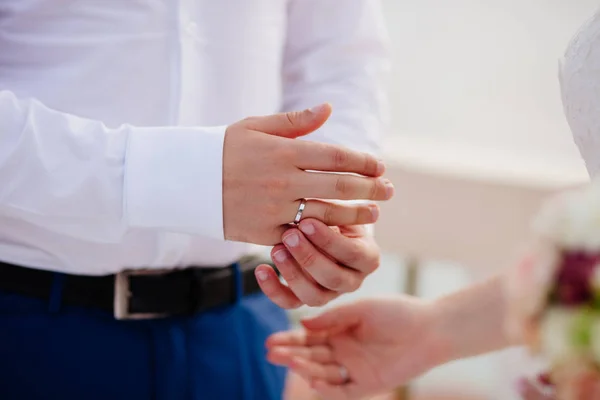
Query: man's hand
266, 174
318, 263
381, 343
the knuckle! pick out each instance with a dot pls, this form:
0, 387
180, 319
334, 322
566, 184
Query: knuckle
318, 301
291, 277
372, 264
341, 186
356, 284
329, 214
326, 242
249, 121
334, 282
309, 259
340, 158
364, 215
370, 165
376, 187
287, 153
293, 117
354, 255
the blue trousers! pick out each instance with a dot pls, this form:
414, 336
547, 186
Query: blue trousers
53, 352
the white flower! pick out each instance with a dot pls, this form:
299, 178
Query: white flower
556, 335
572, 220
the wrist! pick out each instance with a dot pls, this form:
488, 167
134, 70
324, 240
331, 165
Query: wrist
471, 322
445, 336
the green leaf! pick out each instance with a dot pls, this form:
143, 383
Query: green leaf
581, 333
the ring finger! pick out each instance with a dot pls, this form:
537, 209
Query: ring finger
333, 214
286, 354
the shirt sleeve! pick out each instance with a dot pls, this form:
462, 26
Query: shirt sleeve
338, 52
76, 177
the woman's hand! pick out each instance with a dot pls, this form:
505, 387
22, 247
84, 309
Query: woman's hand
373, 345
363, 348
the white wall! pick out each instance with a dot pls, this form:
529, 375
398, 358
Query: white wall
483, 70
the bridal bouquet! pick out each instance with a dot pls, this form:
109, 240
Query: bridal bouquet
554, 293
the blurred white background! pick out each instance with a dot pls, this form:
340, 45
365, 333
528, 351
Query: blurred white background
481, 73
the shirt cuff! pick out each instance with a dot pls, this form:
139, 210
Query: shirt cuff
174, 180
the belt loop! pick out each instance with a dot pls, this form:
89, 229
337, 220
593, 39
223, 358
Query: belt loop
56, 292
238, 282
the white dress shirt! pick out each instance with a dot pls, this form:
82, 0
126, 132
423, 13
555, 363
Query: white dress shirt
113, 112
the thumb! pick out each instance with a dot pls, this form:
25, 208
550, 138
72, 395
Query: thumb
292, 124
335, 320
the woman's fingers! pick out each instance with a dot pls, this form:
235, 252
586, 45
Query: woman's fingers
284, 355
296, 338
310, 370
350, 391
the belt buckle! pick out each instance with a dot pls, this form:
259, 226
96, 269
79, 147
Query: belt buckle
123, 294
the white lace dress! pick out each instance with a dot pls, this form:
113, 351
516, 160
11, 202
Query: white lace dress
580, 85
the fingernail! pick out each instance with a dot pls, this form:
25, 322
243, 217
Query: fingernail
307, 228
374, 211
380, 167
292, 240
389, 188
280, 255
317, 109
262, 276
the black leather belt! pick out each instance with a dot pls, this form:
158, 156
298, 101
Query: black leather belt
138, 294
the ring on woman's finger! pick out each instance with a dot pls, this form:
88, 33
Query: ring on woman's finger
344, 374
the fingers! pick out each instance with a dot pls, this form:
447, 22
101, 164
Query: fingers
285, 355
330, 391
321, 268
276, 291
327, 157
311, 370
345, 187
335, 320
361, 255
336, 214
291, 124
296, 338
302, 285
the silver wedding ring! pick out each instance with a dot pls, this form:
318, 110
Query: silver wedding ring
344, 374
301, 208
